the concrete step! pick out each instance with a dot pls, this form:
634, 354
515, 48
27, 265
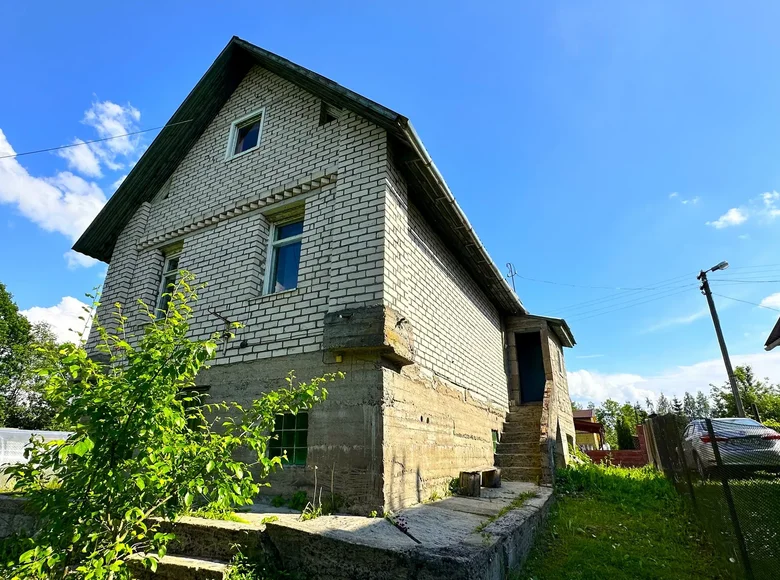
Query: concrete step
521, 473
503, 460
211, 539
520, 428
179, 568
514, 416
529, 445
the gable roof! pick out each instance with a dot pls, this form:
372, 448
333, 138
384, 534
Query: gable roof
430, 192
774, 337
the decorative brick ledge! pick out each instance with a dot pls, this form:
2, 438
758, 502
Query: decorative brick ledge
305, 185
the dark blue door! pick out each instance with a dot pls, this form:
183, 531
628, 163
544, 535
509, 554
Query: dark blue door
531, 366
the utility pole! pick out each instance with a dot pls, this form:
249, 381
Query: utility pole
705, 288
511, 275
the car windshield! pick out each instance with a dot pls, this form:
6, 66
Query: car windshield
738, 421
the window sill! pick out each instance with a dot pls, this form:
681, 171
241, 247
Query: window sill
264, 297
237, 155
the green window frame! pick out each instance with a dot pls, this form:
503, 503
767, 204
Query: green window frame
291, 434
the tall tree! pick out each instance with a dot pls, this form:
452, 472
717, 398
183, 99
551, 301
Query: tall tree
702, 406
689, 405
24, 349
763, 394
663, 407
677, 406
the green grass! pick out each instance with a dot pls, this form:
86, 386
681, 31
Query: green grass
621, 524
516, 503
757, 503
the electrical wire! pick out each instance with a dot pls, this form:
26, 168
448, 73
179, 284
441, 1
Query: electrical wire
13, 155
746, 302
581, 318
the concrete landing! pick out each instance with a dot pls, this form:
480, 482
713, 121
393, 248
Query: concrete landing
443, 539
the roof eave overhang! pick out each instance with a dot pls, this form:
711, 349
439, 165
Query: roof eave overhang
204, 102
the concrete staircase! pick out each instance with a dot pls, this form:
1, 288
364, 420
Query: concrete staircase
518, 453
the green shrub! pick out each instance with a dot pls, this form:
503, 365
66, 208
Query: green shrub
142, 448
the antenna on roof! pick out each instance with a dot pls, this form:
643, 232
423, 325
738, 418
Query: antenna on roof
511, 275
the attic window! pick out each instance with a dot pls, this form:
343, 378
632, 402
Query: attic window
328, 113
165, 190
245, 134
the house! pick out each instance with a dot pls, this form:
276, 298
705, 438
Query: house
319, 221
589, 432
774, 337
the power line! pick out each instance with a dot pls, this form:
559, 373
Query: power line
662, 285
732, 281
746, 302
633, 305
94, 140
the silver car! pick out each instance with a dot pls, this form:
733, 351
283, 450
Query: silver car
744, 445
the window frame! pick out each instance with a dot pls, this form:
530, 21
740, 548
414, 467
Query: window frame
270, 256
238, 124
163, 285
290, 462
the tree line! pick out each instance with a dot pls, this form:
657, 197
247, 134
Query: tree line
760, 398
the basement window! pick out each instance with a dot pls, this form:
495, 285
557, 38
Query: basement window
168, 282
284, 256
245, 134
291, 438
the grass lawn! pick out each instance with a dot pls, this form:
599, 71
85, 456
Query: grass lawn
621, 523
757, 503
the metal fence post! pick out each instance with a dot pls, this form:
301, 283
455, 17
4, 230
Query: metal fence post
730, 501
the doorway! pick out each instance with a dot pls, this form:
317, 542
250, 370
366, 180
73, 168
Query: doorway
530, 366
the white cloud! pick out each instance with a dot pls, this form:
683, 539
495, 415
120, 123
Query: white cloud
118, 182
771, 199
63, 318
677, 321
590, 356
771, 301
112, 120
734, 217
585, 385
64, 203
82, 159
76, 260
673, 195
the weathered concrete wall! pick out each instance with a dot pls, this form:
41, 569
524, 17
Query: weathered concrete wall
432, 431
345, 432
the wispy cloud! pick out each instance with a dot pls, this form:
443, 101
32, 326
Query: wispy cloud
676, 321
771, 301
684, 201
583, 356
733, 217
109, 120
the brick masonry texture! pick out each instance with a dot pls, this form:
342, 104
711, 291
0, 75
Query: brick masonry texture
364, 245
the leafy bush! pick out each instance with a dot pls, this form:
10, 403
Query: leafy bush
142, 447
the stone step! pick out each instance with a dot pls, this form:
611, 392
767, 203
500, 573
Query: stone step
520, 428
211, 539
530, 445
503, 460
514, 417
179, 568
521, 473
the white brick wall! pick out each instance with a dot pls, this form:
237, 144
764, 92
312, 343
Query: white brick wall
363, 242
457, 331
341, 255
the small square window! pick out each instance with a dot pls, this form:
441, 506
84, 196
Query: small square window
291, 434
284, 257
245, 134
168, 283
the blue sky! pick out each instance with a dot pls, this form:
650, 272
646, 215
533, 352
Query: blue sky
609, 145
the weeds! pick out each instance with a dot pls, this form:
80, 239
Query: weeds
516, 503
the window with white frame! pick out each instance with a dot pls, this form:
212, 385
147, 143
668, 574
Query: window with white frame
245, 134
168, 282
284, 256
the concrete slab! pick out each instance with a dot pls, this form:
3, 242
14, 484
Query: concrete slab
444, 540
